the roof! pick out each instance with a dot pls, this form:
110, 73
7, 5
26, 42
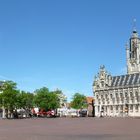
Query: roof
126, 80
89, 99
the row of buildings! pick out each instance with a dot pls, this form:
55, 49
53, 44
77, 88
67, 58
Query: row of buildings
120, 95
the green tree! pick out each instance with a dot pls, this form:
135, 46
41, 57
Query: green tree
45, 99
53, 101
8, 96
79, 101
25, 100
61, 96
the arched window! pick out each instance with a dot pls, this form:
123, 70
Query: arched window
99, 101
131, 108
102, 84
111, 108
97, 96
118, 100
101, 96
121, 108
121, 95
98, 108
131, 97
126, 95
136, 108
111, 96
106, 96
137, 96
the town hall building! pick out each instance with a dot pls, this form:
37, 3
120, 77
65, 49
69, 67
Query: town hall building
120, 95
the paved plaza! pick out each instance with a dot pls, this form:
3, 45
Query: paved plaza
70, 129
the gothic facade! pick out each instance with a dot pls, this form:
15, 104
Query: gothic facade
120, 95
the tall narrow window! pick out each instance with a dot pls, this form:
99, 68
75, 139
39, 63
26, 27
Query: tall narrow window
131, 108
111, 108
137, 96
131, 96
102, 84
136, 108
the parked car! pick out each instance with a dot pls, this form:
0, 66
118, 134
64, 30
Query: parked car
83, 113
22, 113
44, 113
72, 113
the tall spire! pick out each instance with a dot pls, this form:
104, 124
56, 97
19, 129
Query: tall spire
134, 25
134, 32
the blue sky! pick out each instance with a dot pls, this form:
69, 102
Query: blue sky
62, 43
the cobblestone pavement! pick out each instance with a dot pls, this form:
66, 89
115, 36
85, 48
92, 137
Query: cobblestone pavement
70, 129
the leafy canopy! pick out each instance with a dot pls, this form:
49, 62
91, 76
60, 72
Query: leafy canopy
45, 99
8, 96
79, 101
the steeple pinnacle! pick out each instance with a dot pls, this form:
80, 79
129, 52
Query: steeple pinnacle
134, 33
134, 26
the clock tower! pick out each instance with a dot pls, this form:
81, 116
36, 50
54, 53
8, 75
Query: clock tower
133, 53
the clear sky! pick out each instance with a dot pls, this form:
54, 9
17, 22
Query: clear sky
62, 43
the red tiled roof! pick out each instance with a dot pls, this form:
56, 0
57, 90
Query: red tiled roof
89, 99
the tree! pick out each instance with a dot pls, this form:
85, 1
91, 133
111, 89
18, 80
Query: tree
25, 100
53, 101
62, 97
8, 96
45, 99
79, 101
